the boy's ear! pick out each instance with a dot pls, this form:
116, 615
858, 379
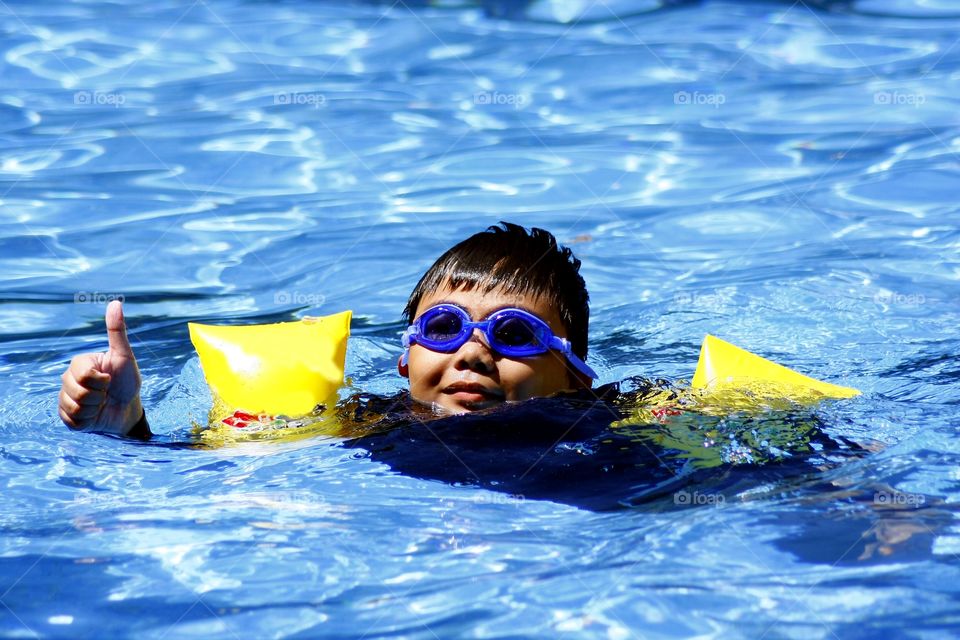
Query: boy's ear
402, 369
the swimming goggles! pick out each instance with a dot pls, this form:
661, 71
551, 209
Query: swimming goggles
514, 333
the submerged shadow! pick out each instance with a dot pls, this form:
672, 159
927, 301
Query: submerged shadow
590, 451
595, 451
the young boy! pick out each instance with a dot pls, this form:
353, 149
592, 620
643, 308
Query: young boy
501, 316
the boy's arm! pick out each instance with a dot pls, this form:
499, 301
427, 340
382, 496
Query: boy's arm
101, 391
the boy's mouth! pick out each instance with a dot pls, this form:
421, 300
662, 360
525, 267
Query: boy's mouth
473, 392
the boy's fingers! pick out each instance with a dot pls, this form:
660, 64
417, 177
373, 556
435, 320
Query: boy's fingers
86, 412
83, 362
117, 330
69, 406
92, 397
85, 368
86, 397
68, 420
81, 393
93, 379
79, 414
74, 414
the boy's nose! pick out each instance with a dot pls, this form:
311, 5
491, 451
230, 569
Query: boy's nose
475, 355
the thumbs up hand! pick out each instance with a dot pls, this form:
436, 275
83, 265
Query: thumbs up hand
101, 391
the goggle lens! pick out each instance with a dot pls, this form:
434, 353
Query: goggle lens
442, 327
514, 332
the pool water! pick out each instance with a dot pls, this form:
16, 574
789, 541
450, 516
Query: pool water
782, 176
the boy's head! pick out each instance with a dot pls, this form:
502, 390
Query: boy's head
504, 267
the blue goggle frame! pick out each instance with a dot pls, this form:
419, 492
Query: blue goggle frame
458, 327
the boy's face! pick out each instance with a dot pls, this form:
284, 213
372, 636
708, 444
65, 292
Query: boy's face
475, 376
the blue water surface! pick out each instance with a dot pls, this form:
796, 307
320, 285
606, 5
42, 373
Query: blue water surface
783, 176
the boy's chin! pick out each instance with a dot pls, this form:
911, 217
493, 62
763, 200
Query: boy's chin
468, 406
448, 405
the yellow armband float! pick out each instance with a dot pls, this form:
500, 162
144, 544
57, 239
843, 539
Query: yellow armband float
729, 379
286, 368
724, 368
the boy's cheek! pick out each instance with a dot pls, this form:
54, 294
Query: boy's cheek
419, 392
544, 378
424, 372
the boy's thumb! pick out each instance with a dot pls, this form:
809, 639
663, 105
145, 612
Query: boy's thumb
117, 330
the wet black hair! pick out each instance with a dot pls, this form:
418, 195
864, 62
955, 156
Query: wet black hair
519, 261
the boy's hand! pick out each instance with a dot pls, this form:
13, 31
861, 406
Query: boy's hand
102, 390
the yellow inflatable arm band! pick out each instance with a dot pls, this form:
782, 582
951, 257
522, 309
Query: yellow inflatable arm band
286, 368
723, 367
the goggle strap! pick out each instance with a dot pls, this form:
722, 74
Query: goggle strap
408, 338
563, 346
582, 366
